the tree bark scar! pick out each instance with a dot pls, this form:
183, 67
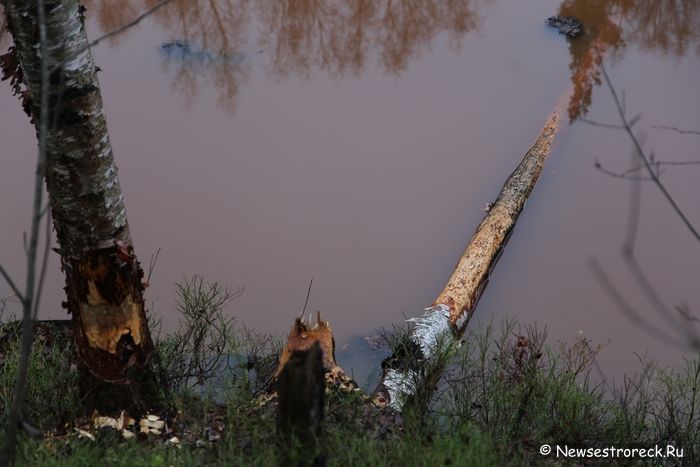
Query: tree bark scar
111, 332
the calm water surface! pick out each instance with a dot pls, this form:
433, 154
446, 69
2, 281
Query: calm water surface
356, 142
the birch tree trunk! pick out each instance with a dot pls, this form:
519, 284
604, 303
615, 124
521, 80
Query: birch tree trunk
103, 277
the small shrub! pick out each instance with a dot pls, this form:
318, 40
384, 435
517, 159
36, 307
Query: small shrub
196, 353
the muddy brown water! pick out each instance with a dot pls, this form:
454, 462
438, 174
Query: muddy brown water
356, 143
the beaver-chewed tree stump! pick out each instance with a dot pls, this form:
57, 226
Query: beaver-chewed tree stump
307, 381
300, 392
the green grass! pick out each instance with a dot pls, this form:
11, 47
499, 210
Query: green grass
504, 393
52, 399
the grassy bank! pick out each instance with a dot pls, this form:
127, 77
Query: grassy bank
507, 392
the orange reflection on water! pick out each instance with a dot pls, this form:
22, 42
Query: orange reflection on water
338, 36
587, 51
668, 27
298, 36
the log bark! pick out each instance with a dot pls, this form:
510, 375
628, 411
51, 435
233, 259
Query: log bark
444, 322
103, 277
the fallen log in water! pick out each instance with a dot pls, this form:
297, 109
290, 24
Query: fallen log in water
443, 323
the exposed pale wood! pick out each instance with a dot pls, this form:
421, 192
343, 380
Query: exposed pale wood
465, 286
303, 336
444, 322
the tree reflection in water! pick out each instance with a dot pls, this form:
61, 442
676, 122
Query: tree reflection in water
297, 36
668, 27
341, 36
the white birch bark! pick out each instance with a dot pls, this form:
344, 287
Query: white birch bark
103, 277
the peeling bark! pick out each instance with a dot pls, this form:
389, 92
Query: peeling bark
103, 277
443, 323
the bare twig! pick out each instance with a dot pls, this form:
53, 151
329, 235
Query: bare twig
633, 217
601, 124
676, 129
653, 169
152, 265
11, 283
644, 158
113, 33
306, 302
660, 163
649, 291
27, 304
627, 309
44, 262
627, 174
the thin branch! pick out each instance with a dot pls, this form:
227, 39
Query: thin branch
634, 211
602, 125
624, 175
645, 161
648, 289
44, 263
657, 166
11, 283
676, 129
308, 294
113, 33
676, 163
15, 414
627, 309
45, 210
152, 265
690, 327
685, 313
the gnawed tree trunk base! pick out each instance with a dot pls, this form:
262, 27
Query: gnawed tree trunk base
106, 398
104, 289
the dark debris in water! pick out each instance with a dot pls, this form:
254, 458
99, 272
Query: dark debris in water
192, 54
566, 25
